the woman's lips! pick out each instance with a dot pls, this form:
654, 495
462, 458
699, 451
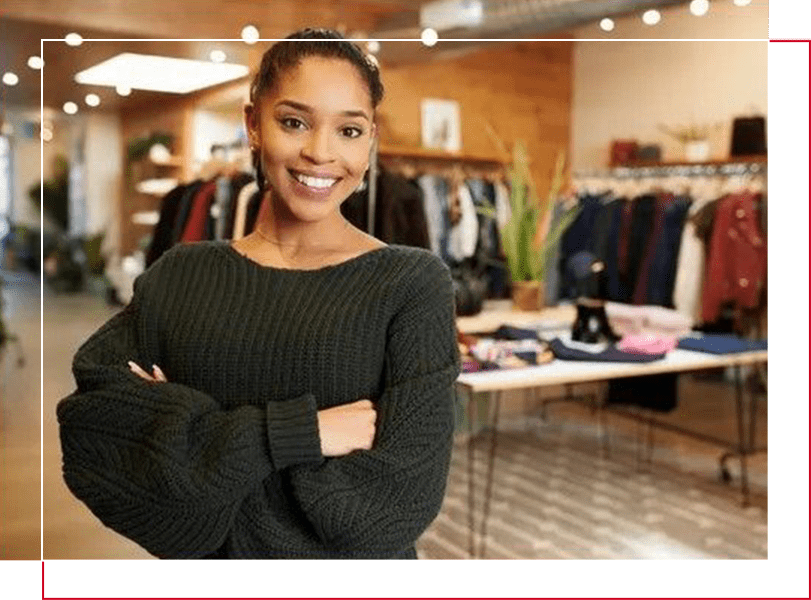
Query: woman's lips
311, 192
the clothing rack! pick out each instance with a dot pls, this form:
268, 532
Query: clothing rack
709, 169
436, 162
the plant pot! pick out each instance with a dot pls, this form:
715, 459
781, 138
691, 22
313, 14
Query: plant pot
528, 295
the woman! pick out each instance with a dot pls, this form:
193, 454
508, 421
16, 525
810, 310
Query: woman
301, 399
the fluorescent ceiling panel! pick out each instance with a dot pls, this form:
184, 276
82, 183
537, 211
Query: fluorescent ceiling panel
160, 73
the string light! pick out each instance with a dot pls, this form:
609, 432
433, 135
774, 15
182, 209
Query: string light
35, 62
607, 24
651, 17
10, 78
250, 34
73, 39
699, 7
92, 100
429, 36
70, 108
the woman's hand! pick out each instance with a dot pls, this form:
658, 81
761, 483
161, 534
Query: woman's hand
346, 428
156, 377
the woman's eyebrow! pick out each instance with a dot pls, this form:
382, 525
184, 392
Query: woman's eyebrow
305, 108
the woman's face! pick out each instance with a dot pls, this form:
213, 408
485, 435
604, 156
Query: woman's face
314, 134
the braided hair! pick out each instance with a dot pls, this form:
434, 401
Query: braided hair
319, 42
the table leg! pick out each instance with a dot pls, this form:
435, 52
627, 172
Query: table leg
489, 485
742, 446
470, 470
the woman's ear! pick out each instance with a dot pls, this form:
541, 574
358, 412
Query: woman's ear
252, 125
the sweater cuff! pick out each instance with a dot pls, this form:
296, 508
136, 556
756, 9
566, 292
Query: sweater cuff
292, 427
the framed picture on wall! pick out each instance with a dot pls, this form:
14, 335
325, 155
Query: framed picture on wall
441, 125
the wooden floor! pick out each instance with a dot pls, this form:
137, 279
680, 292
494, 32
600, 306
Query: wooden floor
544, 470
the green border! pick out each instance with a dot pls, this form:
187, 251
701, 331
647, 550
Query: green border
788, 18
785, 575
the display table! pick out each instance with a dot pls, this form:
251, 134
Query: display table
560, 372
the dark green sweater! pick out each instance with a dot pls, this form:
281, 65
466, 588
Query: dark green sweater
225, 459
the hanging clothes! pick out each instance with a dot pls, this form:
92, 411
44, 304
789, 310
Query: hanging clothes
464, 235
736, 261
690, 264
241, 212
400, 216
162, 238
662, 276
195, 227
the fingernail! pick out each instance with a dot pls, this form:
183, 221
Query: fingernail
131, 364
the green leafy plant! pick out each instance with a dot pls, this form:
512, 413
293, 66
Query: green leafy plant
528, 256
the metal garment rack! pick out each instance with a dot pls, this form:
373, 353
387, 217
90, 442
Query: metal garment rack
719, 168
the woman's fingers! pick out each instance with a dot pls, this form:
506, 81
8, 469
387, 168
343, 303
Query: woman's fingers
157, 374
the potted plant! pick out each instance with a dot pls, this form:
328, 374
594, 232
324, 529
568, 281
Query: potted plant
528, 238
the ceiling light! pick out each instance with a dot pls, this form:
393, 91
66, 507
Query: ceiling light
73, 39
742, 2
607, 24
651, 17
373, 46
92, 100
217, 56
70, 108
46, 134
699, 7
429, 36
35, 62
123, 90
10, 78
250, 34
160, 73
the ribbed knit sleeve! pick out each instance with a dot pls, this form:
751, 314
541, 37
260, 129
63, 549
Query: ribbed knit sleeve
376, 503
161, 463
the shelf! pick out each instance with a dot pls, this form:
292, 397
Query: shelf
431, 154
738, 160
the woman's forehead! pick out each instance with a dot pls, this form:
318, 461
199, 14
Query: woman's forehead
325, 79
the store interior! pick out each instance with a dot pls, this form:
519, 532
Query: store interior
630, 156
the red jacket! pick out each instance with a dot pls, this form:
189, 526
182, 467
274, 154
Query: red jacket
736, 260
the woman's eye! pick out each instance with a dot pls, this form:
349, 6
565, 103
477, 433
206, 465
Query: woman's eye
356, 131
291, 122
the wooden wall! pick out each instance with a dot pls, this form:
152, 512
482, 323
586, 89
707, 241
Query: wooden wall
522, 90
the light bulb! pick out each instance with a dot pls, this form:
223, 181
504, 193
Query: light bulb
217, 56
651, 17
607, 24
92, 100
250, 34
429, 36
70, 108
742, 2
373, 46
46, 134
699, 7
123, 90
35, 62
73, 39
10, 78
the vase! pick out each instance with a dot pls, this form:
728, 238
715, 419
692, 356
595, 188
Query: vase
528, 295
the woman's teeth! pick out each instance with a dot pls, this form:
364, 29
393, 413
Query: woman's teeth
314, 181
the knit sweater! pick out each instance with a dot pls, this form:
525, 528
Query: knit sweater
225, 459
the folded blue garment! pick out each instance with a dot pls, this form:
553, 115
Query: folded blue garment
610, 354
715, 343
508, 332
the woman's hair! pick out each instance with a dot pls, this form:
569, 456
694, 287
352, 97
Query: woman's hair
284, 55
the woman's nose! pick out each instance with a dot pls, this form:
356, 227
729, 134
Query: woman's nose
318, 147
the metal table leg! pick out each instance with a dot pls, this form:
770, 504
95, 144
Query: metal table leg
470, 490
489, 485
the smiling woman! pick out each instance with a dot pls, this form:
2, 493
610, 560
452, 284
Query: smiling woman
288, 394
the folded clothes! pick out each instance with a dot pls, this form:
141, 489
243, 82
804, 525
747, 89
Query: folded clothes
610, 354
508, 332
647, 344
627, 319
716, 343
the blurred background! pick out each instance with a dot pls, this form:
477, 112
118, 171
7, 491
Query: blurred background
119, 135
